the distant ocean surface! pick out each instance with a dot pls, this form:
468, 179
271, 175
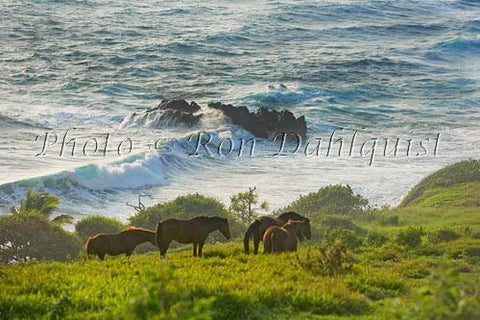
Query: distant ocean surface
386, 69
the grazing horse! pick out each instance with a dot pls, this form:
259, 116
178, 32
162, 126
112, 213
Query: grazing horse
284, 238
118, 243
260, 225
194, 230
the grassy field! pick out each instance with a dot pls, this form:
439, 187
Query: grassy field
436, 280
420, 260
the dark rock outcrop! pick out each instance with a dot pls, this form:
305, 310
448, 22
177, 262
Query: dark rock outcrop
264, 122
178, 111
179, 105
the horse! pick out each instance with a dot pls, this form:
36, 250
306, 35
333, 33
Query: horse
260, 225
118, 243
194, 230
284, 238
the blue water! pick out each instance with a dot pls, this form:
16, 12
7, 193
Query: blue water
392, 69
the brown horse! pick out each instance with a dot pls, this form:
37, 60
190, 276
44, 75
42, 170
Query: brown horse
284, 238
118, 243
194, 230
260, 225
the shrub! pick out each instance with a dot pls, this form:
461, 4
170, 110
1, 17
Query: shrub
327, 261
443, 235
28, 236
476, 235
333, 199
375, 239
344, 236
92, 225
391, 221
411, 237
332, 222
389, 253
186, 207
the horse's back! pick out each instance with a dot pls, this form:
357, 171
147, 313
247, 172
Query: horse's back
265, 223
291, 215
275, 239
176, 229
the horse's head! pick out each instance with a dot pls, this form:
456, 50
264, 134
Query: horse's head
306, 229
224, 228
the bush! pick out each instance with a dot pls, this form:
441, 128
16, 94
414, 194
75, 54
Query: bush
92, 225
443, 235
344, 236
333, 199
389, 253
332, 222
29, 236
411, 237
327, 261
375, 239
391, 221
186, 207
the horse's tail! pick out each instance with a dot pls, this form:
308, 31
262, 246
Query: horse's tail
158, 234
87, 248
272, 242
250, 230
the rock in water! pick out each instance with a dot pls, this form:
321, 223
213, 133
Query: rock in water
264, 122
178, 105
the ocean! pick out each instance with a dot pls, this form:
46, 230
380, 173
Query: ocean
391, 89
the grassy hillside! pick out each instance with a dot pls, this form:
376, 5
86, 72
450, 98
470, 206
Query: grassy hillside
457, 173
418, 261
388, 281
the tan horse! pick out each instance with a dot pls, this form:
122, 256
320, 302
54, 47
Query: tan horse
261, 224
284, 238
194, 230
118, 243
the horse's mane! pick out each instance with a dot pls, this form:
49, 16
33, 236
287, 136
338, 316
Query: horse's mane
292, 215
138, 229
204, 217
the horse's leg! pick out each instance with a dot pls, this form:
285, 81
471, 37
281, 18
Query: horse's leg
200, 248
101, 256
256, 241
164, 248
194, 249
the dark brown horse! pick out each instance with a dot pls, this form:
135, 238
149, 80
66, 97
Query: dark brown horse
259, 226
194, 230
284, 238
118, 243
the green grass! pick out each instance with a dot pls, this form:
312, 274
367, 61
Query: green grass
388, 279
454, 174
227, 284
460, 195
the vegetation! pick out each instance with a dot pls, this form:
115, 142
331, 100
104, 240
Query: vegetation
28, 233
92, 225
186, 207
334, 199
455, 174
43, 204
410, 237
242, 205
31, 236
410, 262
